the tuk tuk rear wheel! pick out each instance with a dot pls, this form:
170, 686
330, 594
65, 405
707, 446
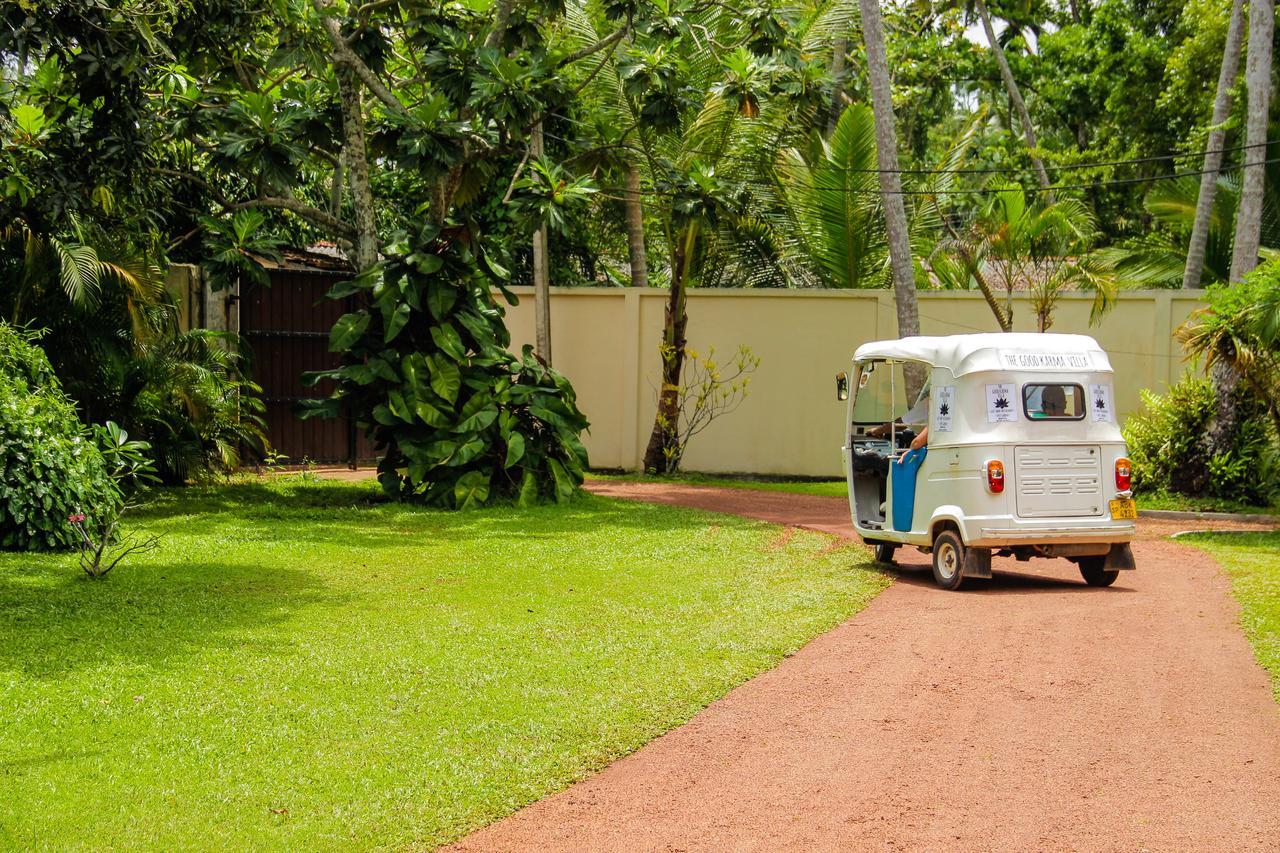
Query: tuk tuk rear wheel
885, 552
1094, 574
948, 560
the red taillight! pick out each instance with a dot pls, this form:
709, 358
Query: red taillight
995, 476
1124, 474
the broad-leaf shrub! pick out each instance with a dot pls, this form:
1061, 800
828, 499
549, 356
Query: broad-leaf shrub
459, 419
1165, 440
50, 468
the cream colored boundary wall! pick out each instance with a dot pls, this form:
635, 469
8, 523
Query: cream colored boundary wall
606, 341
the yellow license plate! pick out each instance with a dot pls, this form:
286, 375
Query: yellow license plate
1124, 508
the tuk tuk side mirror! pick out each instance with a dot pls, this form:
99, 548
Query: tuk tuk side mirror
842, 386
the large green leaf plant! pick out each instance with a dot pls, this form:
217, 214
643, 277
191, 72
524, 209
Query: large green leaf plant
459, 420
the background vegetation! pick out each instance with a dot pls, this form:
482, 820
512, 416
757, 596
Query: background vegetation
1044, 146
377, 675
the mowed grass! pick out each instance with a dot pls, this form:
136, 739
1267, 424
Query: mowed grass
822, 488
1253, 561
302, 666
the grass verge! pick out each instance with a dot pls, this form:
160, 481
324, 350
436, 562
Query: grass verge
1253, 561
1185, 503
302, 666
822, 488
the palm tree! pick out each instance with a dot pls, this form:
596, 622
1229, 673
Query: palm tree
73, 263
1244, 256
1015, 95
699, 154
1042, 245
1221, 433
829, 227
895, 213
831, 220
1213, 148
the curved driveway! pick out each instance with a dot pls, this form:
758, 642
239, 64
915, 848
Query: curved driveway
1032, 712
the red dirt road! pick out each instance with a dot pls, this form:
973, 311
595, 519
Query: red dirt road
1032, 712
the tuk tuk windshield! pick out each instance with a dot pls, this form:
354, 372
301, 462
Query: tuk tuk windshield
881, 394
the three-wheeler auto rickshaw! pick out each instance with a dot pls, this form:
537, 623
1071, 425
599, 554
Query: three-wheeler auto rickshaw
1017, 452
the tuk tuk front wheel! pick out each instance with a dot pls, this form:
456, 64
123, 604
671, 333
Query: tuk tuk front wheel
1094, 574
948, 559
885, 552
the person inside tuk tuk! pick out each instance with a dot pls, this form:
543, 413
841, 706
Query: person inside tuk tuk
917, 414
1053, 402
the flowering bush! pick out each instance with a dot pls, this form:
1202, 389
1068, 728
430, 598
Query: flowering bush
50, 468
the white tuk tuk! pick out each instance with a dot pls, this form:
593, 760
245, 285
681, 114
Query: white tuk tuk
1016, 452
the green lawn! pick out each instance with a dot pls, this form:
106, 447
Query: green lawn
822, 488
301, 666
1184, 503
1253, 561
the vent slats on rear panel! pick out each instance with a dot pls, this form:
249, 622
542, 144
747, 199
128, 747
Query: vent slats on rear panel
1058, 481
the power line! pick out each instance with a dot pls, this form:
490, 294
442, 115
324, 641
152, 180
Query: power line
1067, 167
970, 191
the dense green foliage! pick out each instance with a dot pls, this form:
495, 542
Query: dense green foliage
50, 467
1166, 437
1239, 328
460, 419
676, 143
300, 665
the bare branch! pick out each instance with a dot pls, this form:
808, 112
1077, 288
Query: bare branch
343, 54
506, 197
500, 19
607, 41
314, 214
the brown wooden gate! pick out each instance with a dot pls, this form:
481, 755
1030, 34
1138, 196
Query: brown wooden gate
285, 325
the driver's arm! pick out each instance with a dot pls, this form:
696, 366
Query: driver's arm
883, 430
920, 440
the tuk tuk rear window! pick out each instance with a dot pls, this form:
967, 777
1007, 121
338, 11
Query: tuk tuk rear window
1053, 401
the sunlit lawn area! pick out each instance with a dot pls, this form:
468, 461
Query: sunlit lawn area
302, 666
1253, 561
823, 488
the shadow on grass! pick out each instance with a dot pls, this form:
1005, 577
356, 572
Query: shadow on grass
156, 607
54, 621
357, 515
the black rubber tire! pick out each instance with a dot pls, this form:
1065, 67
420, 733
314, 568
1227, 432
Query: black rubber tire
1091, 569
948, 560
885, 552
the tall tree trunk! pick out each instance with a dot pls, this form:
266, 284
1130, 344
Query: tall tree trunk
541, 275
838, 52
1244, 251
663, 451
351, 94
895, 212
1220, 436
635, 229
1213, 153
1015, 96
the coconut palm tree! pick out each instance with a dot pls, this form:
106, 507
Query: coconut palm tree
1015, 94
1041, 245
895, 213
1244, 255
1213, 148
696, 117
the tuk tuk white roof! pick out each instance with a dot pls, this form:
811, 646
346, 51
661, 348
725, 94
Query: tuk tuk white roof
994, 352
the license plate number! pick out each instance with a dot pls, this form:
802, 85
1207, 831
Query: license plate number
1124, 508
